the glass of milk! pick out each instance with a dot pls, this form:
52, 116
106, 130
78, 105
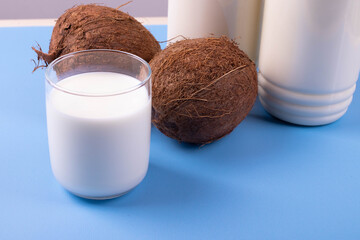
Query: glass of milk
309, 59
237, 19
98, 105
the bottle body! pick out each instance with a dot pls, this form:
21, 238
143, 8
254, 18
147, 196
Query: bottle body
237, 19
309, 59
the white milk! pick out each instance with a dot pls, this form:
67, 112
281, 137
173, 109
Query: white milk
99, 146
309, 59
237, 19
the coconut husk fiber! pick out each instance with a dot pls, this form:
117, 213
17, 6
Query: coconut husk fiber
202, 89
92, 26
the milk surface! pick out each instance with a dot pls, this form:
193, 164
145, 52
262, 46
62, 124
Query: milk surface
309, 59
99, 146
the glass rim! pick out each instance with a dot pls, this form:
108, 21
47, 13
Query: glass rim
84, 94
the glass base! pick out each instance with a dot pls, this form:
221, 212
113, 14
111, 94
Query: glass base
100, 197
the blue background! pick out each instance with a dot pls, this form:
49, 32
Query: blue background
266, 180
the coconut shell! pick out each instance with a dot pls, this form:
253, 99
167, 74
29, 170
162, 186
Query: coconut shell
92, 26
202, 89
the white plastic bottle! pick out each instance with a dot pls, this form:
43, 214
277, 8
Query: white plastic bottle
237, 19
309, 59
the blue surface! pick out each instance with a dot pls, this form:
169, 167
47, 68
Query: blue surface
266, 180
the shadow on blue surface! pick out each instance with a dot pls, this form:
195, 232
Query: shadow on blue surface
161, 188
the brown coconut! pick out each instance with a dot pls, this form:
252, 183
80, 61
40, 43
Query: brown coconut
202, 89
98, 27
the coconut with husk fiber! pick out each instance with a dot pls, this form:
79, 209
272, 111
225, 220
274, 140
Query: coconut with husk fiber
92, 26
202, 89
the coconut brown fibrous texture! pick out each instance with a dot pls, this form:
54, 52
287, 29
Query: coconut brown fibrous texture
98, 27
202, 89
